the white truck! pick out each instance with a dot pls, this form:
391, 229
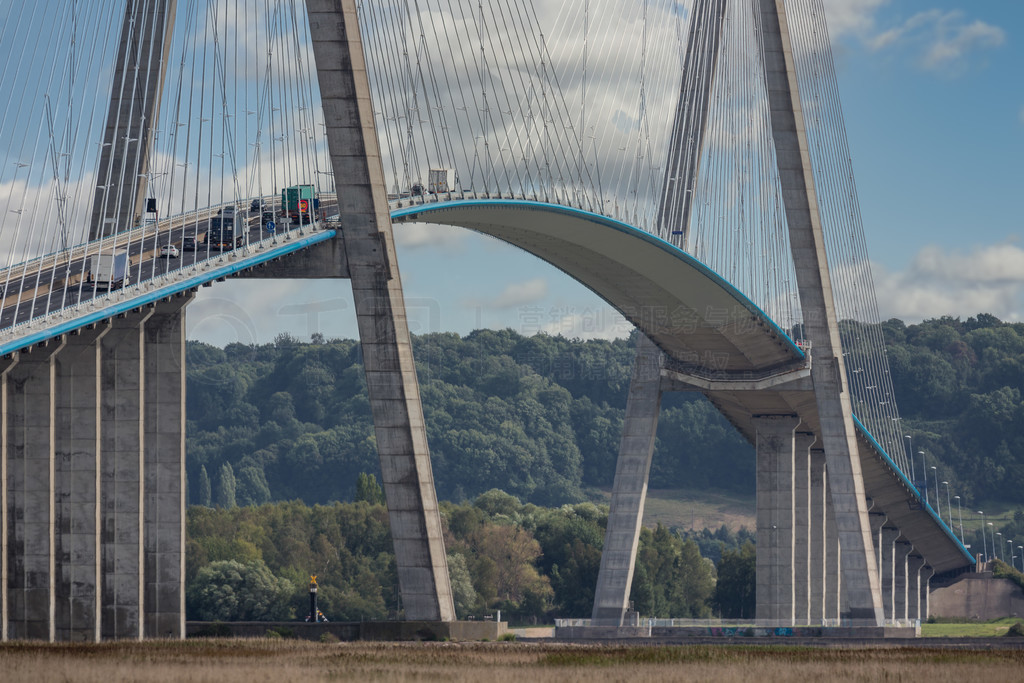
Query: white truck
440, 180
108, 271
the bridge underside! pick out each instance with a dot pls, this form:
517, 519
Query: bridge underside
717, 342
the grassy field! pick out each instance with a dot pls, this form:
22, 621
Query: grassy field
691, 508
986, 629
258, 660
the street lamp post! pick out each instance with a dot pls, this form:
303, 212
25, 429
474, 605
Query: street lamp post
949, 506
993, 532
924, 469
910, 452
1000, 535
1020, 554
960, 516
938, 507
984, 542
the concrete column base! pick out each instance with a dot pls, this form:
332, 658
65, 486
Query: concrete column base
775, 517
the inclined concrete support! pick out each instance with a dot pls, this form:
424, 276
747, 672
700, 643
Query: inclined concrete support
887, 543
817, 537
901, 580
774, 563
802, 527
5, 367
828, 373
132, 116
32, 589
915, 563
380, 311
123, 419
164, 480
632, 470
77, 485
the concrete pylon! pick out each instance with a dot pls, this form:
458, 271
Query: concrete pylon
901, 579
164, 476
122, 471
915, 563
380, 311
632, 469
132, 116
828, 374
31, 464
78, 485
802, 527
817, 535
887, 552
775, 518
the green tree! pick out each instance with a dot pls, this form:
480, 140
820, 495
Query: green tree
231, 591
463, 592
369, 490
735, 593
204, 495
226, 486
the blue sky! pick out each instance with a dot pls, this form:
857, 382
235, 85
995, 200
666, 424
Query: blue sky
933, 95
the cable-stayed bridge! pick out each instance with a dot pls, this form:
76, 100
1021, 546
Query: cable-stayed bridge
686, 163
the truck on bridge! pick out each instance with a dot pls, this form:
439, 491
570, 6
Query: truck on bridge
300, 203
108, 271
222, 234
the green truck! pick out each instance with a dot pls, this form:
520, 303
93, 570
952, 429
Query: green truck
299, 203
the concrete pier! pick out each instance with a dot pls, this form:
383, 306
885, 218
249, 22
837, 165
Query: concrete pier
632, 470
817, 536
802, 527
775, 518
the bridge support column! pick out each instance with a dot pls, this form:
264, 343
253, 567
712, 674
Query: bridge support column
817, 536
802, 527
30, 482
632, 469
828, 374
887, 552
774, 564
924, 591
915, 563
835, 596
901, 579
380, 311
78, 485
6, 364
164, 478
122, 469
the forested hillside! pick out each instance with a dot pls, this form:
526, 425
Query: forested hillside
540, 417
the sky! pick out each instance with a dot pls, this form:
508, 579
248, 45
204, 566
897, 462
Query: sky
933, 98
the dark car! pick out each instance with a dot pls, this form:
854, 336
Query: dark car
266, 217
188, 244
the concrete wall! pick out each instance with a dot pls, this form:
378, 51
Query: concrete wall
978, 596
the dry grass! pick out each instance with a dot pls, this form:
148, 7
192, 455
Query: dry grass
257, 660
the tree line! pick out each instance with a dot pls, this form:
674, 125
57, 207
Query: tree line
533, 563
541, 416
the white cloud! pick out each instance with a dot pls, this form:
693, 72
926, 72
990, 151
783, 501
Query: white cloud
602, 322
514, 295
423, 235
985, 279
851, 16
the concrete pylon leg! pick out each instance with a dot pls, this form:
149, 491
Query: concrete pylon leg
888, 575
78, 486
802, 527
5, 367
900, 579
915, 563
380, 311
821, 326
123, 419
632, 469
774, 564
132, 116
31, 466
164, 480
816, 536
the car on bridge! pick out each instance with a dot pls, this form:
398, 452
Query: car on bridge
169, 251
